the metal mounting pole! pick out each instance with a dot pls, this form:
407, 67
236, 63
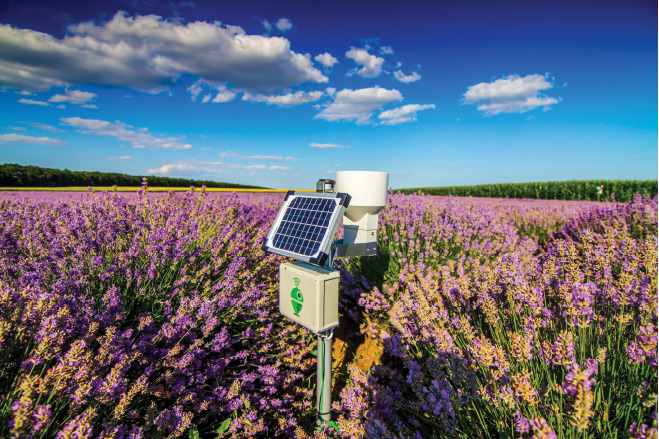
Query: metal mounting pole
324, 377
324, 364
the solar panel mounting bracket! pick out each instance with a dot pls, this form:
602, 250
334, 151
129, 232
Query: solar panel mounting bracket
360, 249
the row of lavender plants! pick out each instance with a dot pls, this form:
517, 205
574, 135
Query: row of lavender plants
530, 320
146, 318
157, 317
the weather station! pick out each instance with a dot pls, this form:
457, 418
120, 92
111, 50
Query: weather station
304, 229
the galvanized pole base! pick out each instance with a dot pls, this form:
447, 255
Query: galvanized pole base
324, 376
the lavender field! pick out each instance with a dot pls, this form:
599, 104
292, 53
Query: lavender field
156, 317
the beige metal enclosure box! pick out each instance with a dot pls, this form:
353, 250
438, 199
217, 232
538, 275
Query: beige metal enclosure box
309, 295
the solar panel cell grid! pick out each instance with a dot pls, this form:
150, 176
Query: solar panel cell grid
304, 225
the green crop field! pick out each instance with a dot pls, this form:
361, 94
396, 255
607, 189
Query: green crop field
588, 190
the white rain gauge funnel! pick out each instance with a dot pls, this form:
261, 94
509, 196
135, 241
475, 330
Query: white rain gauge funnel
368, 192
304, 229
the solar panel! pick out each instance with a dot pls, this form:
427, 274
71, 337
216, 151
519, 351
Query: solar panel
305, 225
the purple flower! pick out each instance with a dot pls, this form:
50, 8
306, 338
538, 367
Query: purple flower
521, 423
541, 429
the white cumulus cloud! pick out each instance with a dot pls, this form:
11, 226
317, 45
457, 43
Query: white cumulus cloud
510, 94
326, 60
287, 100
149, 53
406, 113
327, 145
284, 25
371, 64
195, 89
222, 93
402, 77
240, 156
358, 105
140, 138
77, 97
33, 102
194, 167
20, 138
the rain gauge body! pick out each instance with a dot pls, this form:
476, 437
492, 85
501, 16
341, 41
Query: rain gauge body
304, 229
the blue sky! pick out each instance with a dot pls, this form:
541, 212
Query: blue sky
282, 93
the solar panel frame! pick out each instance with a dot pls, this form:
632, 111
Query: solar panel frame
305, 225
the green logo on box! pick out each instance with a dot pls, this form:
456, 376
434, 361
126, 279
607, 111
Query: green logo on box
296, 297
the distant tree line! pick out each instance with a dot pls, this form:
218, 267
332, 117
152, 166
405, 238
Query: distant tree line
12, 175
592, 190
